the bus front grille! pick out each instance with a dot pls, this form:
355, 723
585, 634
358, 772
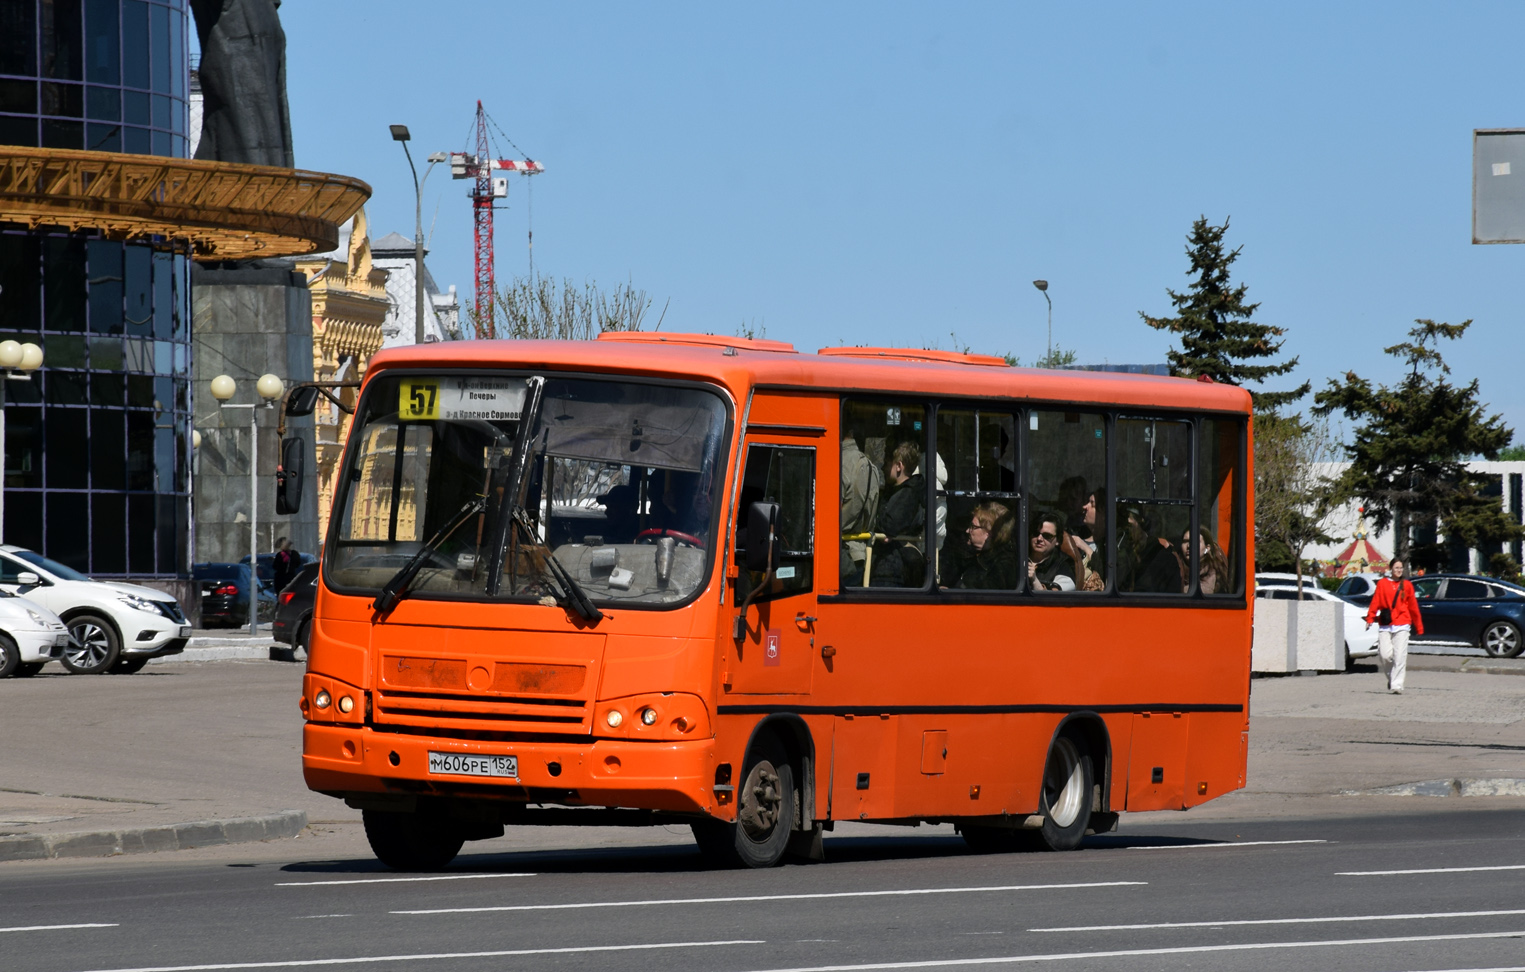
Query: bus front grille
456, 694
482, 711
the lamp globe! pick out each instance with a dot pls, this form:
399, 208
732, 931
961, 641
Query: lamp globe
223, 388
10, 354
31, 357
270, 387
195, 439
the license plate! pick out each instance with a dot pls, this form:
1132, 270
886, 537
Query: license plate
465, 764
61, 641
185, 631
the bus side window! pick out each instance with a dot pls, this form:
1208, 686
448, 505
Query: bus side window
1067, 498
884, 495
1153, 509
784, 475
977, 500
1219, 477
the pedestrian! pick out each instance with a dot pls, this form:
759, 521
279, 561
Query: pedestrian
287, 562
1395, 611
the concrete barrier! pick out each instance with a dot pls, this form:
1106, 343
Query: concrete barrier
1292, 636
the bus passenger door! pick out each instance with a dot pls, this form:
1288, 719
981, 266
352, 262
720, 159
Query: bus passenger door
775, 617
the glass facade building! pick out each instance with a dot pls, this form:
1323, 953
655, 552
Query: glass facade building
97, 467
105, 75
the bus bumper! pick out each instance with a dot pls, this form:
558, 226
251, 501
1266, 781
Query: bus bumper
678, 777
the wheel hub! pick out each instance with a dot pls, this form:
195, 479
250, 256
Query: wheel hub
761, 801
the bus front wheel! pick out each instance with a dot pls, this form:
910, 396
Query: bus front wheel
1068, 783
764, 815
411, 841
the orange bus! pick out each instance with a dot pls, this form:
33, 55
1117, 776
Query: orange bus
683, 578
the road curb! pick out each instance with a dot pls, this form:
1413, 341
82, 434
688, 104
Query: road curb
148, 840
1473, 665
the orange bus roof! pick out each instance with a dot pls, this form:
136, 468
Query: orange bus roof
739, 364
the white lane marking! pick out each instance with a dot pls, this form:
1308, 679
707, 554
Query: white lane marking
429, 957
1226, 843
1282, 921
1121, 953
306, 917
769, 897
1434, 870
399, 880
21, 928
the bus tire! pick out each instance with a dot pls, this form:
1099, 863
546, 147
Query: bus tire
764, 814
1068, 783
411, 841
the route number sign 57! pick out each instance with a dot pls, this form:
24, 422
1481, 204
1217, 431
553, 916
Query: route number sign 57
419, 401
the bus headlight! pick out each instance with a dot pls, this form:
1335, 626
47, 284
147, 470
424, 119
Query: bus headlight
346, 704
648, 716
614, 718
322, 699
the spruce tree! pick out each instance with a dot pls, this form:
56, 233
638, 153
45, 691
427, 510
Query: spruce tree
1219, 337
1409, 452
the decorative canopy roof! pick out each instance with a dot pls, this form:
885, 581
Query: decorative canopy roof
223, 210
1361, 555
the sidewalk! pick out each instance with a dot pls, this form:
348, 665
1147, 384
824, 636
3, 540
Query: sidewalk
218, 644
207, 749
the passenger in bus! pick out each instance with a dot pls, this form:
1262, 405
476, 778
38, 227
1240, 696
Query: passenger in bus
1212, 565
861, 481
1078, 506
898, 559
1092, 546
1048, 569
621, 516
993, 563
1145, 561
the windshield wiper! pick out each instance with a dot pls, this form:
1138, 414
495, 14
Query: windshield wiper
573, 594
397, 588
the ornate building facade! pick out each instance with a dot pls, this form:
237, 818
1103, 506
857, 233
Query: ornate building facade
349, 307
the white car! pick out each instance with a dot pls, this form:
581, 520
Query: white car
1360, 641
30, 636
114, 627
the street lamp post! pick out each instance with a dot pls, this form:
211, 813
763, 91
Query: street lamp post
14, 357
400, 134
1042, 285
269, 388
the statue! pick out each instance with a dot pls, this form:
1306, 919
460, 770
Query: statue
245, 117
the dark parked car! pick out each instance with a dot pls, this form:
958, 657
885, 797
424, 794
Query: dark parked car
267, 566
1459, 609
225, 595
293, 614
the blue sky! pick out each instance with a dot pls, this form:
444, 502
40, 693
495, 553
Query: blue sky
894, 173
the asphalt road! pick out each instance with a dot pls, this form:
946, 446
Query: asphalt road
1421, 891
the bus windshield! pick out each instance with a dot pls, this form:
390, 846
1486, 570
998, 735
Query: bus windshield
619, 488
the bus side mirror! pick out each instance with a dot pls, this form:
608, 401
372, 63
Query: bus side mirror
288, 477
764, 546
301, 401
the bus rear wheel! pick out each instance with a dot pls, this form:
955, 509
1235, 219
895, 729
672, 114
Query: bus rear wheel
764, 815
1068, 784
411, 841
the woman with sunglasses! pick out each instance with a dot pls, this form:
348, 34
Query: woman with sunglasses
1048, 568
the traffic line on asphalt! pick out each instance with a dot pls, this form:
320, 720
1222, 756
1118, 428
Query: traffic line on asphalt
1432, 870
23, 928
1283, 921
397, 880
428, 957
1122, 953
768, 897
1225, 843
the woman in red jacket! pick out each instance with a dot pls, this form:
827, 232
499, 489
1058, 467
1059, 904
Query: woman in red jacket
1395, 611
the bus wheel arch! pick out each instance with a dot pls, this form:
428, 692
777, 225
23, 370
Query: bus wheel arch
1075, 782
773, 794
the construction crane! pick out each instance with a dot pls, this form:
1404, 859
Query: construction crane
480, 167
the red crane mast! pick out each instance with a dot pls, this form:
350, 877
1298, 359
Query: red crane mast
480, 167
